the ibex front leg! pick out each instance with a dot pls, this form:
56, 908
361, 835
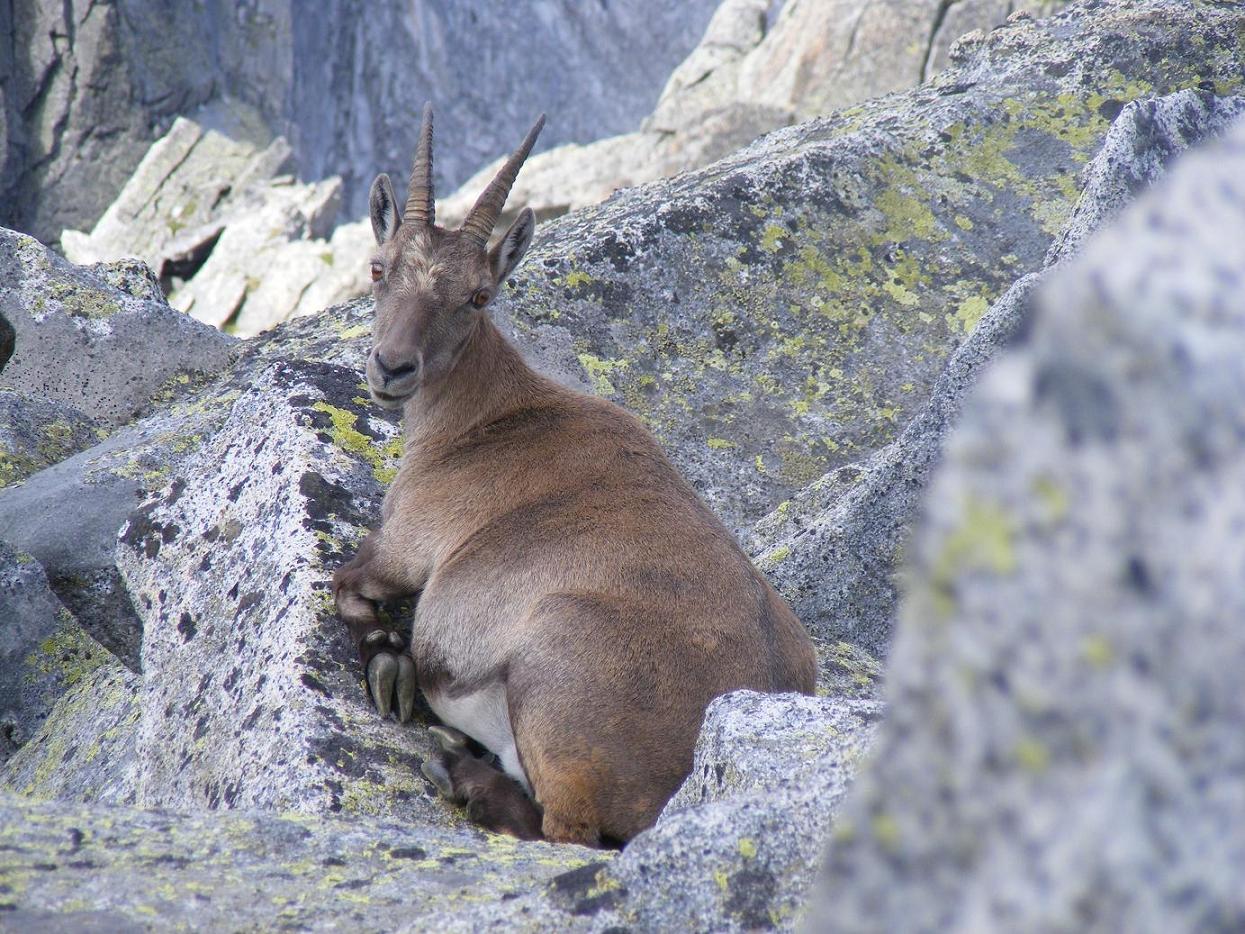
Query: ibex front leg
372, 576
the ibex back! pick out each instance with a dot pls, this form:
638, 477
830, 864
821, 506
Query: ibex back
580, 606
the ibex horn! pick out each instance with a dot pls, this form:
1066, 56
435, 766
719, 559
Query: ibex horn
479, 223
420, 202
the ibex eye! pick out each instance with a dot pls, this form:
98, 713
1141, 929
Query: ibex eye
377, 272
480, 298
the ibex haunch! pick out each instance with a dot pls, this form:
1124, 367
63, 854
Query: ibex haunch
580, 606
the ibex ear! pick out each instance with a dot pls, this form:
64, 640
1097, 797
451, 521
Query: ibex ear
510, 249
383, 208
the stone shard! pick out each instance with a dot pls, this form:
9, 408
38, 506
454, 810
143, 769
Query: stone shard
179, 184
1063, 737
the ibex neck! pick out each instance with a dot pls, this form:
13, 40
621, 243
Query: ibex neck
490, 378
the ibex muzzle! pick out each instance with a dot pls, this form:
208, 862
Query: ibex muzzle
579, 606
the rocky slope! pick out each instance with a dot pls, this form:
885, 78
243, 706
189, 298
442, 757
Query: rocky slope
87, 86
900, 243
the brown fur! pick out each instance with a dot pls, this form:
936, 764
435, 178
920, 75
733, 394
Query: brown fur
560, 554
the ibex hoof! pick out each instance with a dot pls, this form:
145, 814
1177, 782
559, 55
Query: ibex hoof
382, 674
391, 681
437, 773
451, 740
382, 639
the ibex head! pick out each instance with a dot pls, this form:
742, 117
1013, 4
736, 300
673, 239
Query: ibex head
432, 284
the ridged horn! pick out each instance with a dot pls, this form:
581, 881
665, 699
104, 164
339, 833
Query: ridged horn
488, 207
421, 206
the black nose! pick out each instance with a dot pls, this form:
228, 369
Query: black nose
391, 373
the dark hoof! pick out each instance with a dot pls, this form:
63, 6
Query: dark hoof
391, 682
439, 775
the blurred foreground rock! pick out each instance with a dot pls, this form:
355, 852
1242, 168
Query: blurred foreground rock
1062, 748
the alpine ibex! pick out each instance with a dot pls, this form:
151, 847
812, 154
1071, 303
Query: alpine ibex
580, 606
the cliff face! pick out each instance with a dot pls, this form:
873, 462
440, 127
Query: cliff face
87, 86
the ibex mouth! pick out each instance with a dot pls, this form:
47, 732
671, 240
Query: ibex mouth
387, 401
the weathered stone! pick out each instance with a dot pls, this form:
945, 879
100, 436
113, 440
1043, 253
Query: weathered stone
68, 515
833, 549
238, 246
1144, 140
42, 649
66, 864
1062, 746
788, 310
90, 345
35, 434
179, 184
960, 17
85, 749
756, 742
267, 265
739, 846
87, 87
251, 694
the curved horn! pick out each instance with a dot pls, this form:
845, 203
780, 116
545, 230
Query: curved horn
420, 202
479, 223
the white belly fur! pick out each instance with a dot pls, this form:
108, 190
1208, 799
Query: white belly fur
485, 717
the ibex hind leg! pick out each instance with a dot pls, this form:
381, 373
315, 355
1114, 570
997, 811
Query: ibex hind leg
493, 799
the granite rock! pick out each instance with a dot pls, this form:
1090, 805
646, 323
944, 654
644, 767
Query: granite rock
1062, 742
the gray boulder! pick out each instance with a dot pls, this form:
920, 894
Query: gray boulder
252, 696
1062, 747
788, 310
95, 346
92, 344
35, 434
87, 87
85, 748
42, 650
834, 548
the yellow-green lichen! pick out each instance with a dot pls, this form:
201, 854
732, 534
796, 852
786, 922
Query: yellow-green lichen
984, 540
886, 831
599, 372
1032, 755
382, 457
1097, 650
